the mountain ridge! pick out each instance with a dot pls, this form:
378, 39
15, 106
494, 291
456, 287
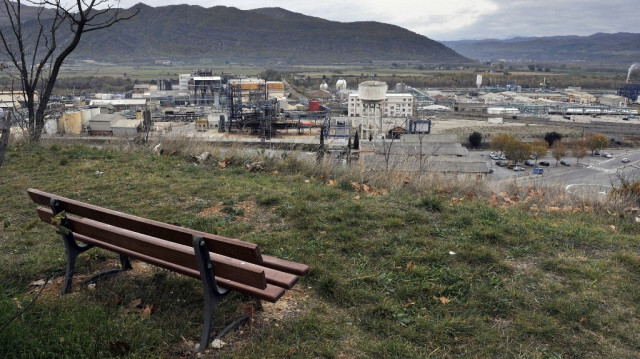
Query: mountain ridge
273, 34
599, 48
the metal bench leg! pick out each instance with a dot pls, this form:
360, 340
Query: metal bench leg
72, 248
258, 304
212, 293
125, 264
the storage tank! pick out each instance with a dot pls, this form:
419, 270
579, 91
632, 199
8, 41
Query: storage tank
372, 91
341, 85
314, 106
70, 122
324, 86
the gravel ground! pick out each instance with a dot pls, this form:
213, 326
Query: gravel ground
463, 128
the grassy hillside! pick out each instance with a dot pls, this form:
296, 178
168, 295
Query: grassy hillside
408, 271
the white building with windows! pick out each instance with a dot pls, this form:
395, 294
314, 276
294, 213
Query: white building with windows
394, 105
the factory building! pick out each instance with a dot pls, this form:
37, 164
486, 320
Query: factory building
255, 89
125, 104
580, 97
394, 105
13, 99
183, 82
275, 89
613, 101
205, 89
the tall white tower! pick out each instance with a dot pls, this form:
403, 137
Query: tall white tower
371, 95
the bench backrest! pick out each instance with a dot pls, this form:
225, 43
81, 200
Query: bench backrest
238, 264
228, 247
233, 248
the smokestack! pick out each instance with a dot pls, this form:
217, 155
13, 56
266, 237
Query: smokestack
631, 68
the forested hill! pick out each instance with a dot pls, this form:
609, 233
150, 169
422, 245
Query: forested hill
612, 49
184, 32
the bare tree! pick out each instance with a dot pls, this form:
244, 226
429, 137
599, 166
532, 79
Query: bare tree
578, 148
558, 151
539, 148
36, 47
4, 134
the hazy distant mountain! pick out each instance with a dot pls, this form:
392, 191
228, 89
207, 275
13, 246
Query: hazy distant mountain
28, 13
184, 32
620, 48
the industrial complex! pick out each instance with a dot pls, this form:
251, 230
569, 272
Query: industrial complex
391, 122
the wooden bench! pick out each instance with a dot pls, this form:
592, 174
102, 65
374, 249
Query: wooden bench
222, 264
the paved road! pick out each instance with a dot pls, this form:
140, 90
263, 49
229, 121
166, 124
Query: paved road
593, 174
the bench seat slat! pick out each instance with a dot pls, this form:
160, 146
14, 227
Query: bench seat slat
234, 248
285, 265
271, 293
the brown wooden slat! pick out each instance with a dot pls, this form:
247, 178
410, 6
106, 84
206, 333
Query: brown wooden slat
284, 265
272, 276
181, 255
233, 248
271, 293
279, 278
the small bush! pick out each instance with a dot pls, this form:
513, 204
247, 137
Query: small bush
431, 203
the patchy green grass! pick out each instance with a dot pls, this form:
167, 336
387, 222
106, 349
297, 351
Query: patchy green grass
398, 275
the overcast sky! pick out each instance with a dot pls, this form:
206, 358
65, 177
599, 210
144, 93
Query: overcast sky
461, 19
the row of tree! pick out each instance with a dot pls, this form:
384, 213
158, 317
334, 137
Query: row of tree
519, 151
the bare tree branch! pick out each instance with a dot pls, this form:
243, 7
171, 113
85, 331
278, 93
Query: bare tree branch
34, 50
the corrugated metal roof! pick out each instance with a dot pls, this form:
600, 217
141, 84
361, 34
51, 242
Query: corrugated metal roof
275, 85
412, 163
428, 148
107, 117
126, 123
207, 78
120, 102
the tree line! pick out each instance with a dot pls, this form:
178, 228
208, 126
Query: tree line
518, 151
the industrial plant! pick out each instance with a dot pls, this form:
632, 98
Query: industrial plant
228, 108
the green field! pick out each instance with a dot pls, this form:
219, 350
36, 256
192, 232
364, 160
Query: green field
434, 269
89, 77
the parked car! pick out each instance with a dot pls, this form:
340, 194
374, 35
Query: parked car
518, 168
565, 163
528, 163
625, 160
500, 164
607, 155
543, 163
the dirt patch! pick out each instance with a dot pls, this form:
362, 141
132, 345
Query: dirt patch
271, 315
211, 212
53, 287
248, 208
288, 306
